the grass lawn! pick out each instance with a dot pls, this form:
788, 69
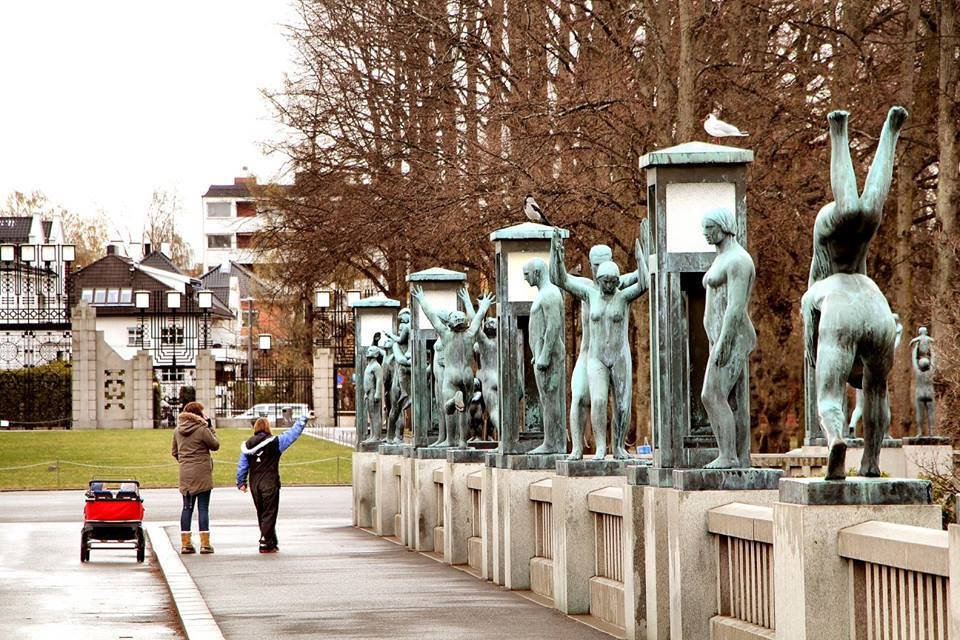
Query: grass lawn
70, 459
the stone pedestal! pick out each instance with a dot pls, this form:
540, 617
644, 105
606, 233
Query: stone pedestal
405, 502
369, 447
387, 495
589, 467
458, 510
424, 516
364, 489
487, 550
811, 580
573, 531
656, 567
691, 549
634, 562
515, 525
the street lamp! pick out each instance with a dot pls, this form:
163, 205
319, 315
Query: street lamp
28, 253
353, 297
68, 253
8, 253
322, 299
173, 299
205, 302
264, 342
141, 299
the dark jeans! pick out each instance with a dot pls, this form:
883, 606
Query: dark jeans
187, 514
266, 499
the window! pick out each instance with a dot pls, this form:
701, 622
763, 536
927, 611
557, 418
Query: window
246, 209
87, 295
99, 296
133, 337
171, 335
167, 375
219, 241
219, 210
113, 296
126, 295
244, 241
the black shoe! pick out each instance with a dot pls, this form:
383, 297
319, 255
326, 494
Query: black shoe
269, 549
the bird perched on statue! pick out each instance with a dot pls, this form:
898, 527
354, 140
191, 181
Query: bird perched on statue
719, 129
533, 211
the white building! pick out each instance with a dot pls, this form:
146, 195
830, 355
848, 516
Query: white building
34, 307
230, 218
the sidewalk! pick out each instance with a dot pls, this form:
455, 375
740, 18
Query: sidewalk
333, 581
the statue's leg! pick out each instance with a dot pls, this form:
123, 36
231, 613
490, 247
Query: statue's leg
579, 405
461, 413
599, 377
843, 180
876, 419
856, 414
622, 374
918, 410
715, 397
552, 420
441, 417
492, 401
877, 186
834, 361
931, 418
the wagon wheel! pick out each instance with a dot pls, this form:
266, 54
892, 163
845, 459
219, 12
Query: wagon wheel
84, 549
141, 546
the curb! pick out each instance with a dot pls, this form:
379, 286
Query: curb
197, 621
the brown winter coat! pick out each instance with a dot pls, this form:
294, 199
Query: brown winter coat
193, 441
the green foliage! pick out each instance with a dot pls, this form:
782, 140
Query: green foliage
36, 396
144, 455
946, 486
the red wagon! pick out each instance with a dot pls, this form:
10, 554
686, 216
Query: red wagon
113, 513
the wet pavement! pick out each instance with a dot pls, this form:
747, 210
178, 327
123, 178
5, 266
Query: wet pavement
333, 581
45, 592
328, 581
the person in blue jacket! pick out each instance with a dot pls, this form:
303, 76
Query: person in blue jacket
259, 467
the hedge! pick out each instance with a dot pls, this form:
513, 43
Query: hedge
36, 396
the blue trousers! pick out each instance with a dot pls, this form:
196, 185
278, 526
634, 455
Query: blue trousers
187, 514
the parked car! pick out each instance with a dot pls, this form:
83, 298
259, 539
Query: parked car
281, 414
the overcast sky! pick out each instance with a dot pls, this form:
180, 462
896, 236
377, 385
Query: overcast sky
105, 100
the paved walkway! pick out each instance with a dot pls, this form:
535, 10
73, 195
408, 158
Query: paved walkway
45, 592
333, 581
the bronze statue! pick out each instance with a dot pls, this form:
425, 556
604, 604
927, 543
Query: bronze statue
921, 355
487, 374
549, 355
458, 338
726, 319
372, 389
609, 367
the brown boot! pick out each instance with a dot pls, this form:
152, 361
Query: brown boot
205, 542
186, 544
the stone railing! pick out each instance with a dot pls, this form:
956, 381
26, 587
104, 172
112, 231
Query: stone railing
899, 581
438, 531
794, 465
606, 586
744, 556
401, 499
475, 541
541, 564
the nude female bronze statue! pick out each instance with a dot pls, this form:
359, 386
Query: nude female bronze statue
726, 319
921, 355
458, 338
609, 367
849, 330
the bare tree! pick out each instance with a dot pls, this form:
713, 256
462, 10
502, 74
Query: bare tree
160, 227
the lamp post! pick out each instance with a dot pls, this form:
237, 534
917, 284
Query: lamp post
205, 302
141, 299
251, 318
174, 299
683, 183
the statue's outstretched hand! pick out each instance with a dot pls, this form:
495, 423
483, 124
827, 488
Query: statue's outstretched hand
464, 296
487, 300
417, 293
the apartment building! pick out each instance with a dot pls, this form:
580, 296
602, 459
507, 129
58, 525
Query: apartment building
229, 221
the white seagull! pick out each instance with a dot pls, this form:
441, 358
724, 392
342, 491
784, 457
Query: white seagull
533, 211
719, 129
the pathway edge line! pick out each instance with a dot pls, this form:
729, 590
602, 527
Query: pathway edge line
192, 610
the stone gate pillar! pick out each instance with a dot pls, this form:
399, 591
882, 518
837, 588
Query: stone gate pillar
142, 366
205, 380
83, 363
323, 386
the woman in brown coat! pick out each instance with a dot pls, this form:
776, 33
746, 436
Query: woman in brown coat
193, 440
